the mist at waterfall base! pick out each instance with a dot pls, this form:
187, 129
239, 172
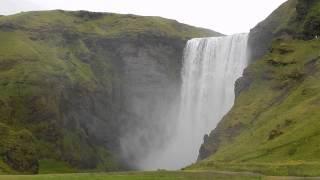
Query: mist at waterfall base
210, 68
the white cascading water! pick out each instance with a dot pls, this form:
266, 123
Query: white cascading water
211, 67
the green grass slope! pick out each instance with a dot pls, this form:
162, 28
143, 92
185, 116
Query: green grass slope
160, 175
56, 67
274, 125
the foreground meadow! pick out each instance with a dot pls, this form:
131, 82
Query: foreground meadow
162, 175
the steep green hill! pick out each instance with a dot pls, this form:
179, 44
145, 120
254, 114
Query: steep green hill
274, 125
62, 79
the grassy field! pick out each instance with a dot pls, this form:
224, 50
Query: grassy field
163, 175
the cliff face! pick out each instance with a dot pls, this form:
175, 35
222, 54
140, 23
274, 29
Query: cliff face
72, 83
273, 126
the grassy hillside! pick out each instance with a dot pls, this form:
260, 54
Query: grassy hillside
60, 86
102, 24
273, 127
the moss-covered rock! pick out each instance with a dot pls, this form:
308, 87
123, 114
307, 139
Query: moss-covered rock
18, 149
21, 155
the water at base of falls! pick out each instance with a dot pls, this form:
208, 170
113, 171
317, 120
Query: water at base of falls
210, 68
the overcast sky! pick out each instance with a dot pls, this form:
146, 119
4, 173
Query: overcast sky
225, 16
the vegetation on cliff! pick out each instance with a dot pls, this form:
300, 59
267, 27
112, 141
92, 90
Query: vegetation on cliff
273, 127
60, 86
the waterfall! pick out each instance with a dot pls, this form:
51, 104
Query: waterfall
210, 68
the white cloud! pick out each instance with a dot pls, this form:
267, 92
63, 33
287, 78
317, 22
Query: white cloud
226, 16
